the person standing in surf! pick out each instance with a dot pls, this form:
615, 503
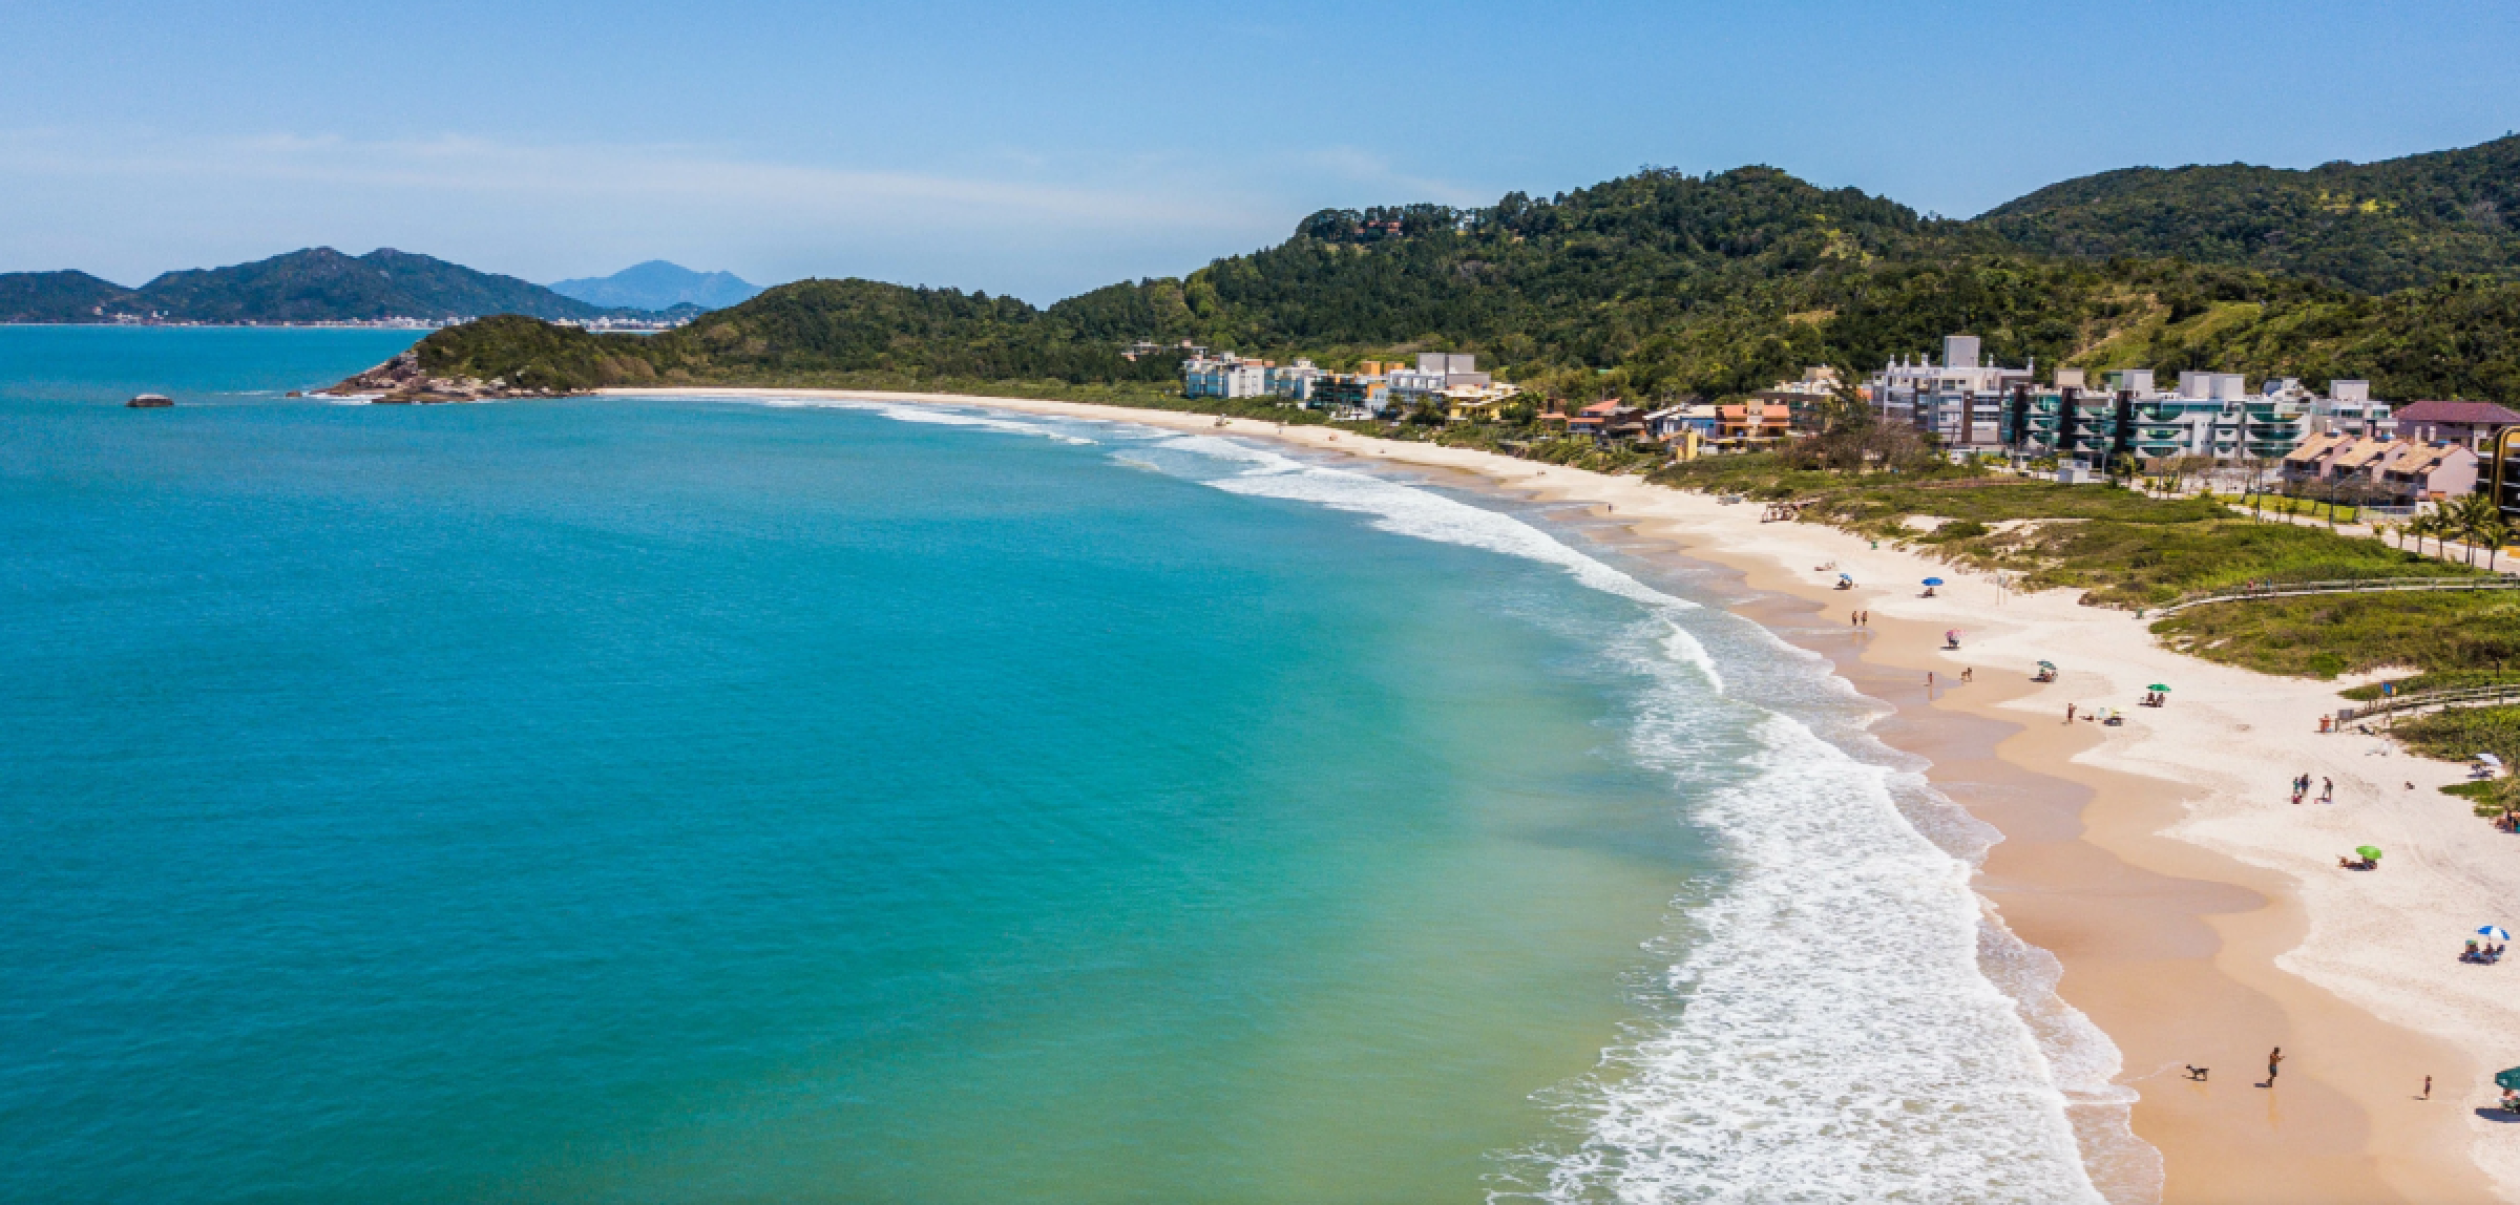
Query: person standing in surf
2274, 1059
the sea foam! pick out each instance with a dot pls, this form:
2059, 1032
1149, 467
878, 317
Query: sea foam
1820, 1024
901, 413
1423, 514
1825, 1027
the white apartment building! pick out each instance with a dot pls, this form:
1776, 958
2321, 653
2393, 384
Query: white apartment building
2349, 409
1295, 381
1438, 373
1960, 401
1226, 376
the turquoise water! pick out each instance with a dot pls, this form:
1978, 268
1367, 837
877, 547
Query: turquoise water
695, 801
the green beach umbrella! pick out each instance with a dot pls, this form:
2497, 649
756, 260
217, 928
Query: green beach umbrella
2508, 1079
2047, 665
2370, 853
2158, 688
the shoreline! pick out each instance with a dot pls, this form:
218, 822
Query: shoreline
2198, 918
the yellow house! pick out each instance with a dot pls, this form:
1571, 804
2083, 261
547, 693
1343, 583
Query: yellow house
1686, 444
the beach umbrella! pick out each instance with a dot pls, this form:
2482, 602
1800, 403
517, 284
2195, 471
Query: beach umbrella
2158, 688
1933, 581
2494, 933
1846, 577
2047, 665
2370, 853
2489, 759
1953, 635
2508, 1079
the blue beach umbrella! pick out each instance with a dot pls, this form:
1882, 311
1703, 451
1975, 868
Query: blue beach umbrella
2494, 933
1846, 577
1933, 581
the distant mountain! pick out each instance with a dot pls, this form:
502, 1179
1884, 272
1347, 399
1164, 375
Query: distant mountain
658, 285
62, 297
2373, 227
315, 285
322, 285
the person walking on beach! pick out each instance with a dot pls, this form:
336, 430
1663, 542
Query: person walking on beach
2427, 1089
2327, 790
2274, 1059
1929, 679
2069, 713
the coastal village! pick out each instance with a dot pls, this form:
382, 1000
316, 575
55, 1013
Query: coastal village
2341, 448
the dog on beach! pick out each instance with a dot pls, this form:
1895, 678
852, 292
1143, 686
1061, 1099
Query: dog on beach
2198, 1073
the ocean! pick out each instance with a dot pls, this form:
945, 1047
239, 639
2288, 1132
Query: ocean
741, 800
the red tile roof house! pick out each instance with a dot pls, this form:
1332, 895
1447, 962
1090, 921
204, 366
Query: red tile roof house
2436, 471
2470, 423
1600, 417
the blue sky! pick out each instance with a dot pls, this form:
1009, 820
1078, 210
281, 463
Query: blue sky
1045, 148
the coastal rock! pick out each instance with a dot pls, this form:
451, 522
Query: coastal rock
401, 379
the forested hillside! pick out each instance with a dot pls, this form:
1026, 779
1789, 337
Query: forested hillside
60, 297
321, 284
1655, 285
2375, 227
315, 285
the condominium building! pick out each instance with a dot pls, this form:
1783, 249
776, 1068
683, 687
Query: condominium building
1295, 381
1965, 405
1437, 372
1352, 393
1960, 401
1226, 376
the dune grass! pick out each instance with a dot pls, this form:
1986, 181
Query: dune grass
2460, 735
2454, 636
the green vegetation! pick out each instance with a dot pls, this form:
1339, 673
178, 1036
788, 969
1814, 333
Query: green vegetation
2456, 678
2123, 548
2460, 735
2372, 227
315, 285
2120, 547
2331, 634
842, 334
61, 297
1656, 286
2277, 504
1663, 284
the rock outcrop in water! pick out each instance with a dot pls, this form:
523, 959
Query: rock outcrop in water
402, 379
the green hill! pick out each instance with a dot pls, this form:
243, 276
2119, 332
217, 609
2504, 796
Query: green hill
315, 285
63, 297
1654, 285
2374, 227
321, 284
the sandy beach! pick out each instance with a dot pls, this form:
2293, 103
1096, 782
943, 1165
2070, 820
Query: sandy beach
2200, 916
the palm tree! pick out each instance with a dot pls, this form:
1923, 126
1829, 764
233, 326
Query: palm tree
2495, 531
2473, 518
2423, 525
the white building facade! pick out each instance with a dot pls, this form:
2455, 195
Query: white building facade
1226, 376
